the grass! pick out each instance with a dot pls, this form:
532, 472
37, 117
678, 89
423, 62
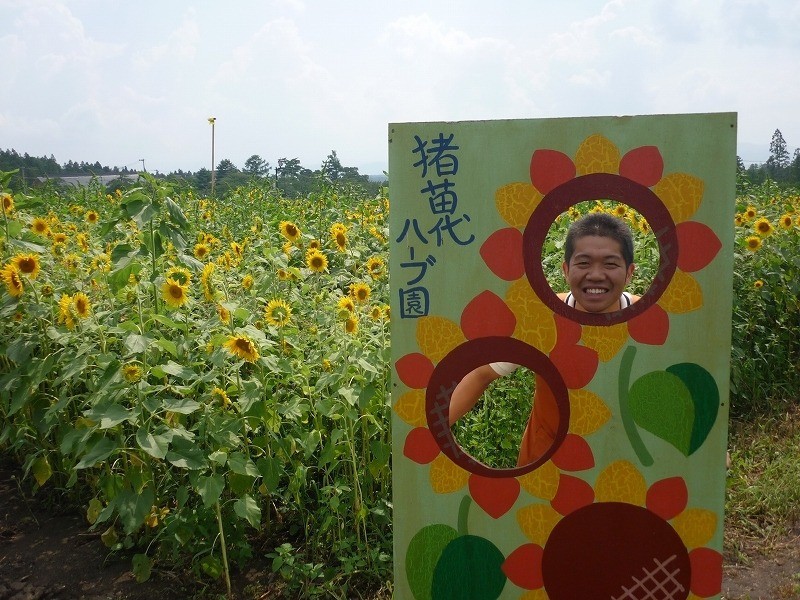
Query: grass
763, 496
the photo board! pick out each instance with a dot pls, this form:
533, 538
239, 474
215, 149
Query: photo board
626, 500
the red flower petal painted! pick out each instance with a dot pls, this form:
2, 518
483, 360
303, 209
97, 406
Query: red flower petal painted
414, 370
650, 327
643, 165
697, 245
668, 497
574, 454
420, 446
524, 567
706, 572
577, 364
487, 314
569, 331
550, 168
502, 253
572, 494
495, 495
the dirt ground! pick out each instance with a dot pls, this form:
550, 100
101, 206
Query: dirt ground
49, 554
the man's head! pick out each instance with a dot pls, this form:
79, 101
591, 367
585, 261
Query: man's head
601, 225
598, 261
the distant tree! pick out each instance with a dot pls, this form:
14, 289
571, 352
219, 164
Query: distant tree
202, 181
225, 168
794, 167
739, 164
288, 167
778, 160
255, 166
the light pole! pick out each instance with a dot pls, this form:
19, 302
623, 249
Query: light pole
212, 120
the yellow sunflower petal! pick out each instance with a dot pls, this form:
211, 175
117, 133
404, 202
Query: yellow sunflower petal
588, 412
621, 481
537, 521
411, 408
695, 526
683, 294
437, 336
535, 323
446, 476
515, 202
681, 193
539, 594
597, 154
542, 482
607, 341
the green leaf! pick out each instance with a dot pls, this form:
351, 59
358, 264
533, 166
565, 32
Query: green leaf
705, 395
271, 470
98, 452
247, 508
109, 415
133, 507
211, 566
168, 346
20, 350
136, 343
178, 370
72, 368
241, 464
164, 320
41, 470
142, 565
176, 214
155, 445
210, 488
183, 406
29, 246
187, 457
93, 511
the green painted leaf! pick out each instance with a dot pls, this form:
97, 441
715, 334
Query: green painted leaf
422, 554
661, 403
469, 567
705, 395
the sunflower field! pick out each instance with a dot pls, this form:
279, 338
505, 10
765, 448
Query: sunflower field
209, 379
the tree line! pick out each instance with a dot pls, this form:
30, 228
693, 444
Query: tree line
780, 166
288, 176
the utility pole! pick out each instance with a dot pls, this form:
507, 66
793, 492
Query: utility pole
212, 120
141, 160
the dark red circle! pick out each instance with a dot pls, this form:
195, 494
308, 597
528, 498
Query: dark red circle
469, 356
593, 187
615, 550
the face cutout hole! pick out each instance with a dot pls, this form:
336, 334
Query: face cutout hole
646, 254
492, 432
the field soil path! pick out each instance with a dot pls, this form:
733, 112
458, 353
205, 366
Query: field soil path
47, 553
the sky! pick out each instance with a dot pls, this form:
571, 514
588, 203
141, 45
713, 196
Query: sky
120, 82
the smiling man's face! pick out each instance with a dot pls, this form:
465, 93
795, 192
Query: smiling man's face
597, 274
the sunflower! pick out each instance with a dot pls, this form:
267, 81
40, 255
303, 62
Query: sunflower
71, 262
346, 303
60, 238
326, 364
351, 325
81, 304
620, 210
40, 226
375, 267
277, 312
247, 282
201, 250
289, 230
786, 221
221, 396
206, 283
224, 314
179, 274
387, 312
317, 261
738, 220
376, 313
47, 290
314, 245
338, 228
750, 213
101, 262
11, 278
763, 227
65, 311
340, 238
243, 347
288, 248
92, 217
753, 243
7, 203
758, 284
27, 264
131, 372
283, 274
173, 293
360, 292
237, 249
